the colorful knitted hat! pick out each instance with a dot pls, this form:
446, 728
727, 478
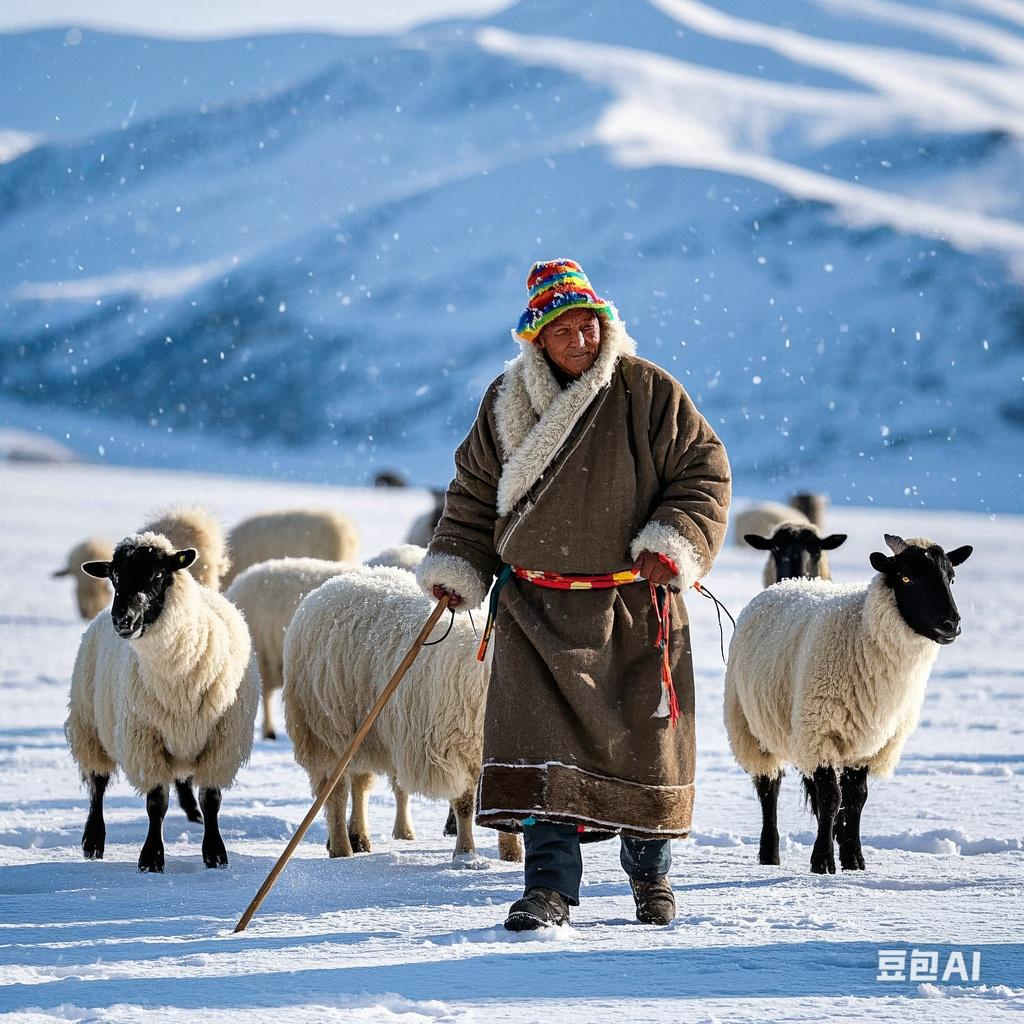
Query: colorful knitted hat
555, 286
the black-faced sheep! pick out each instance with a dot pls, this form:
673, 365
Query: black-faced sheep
794, 550
343, 643
831, 679
761, 518
91, 594
293, 533
165, 688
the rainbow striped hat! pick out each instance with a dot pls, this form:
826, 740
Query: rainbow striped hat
555, 286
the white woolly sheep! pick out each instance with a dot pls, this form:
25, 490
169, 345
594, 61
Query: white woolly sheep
830, 679
342, 646
401, 556
192, 526
267, 594
292, 533
795, 549
91, 594
165, 687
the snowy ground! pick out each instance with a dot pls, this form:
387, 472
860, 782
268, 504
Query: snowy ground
399, 935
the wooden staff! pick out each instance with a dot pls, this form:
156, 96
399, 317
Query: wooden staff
328, 787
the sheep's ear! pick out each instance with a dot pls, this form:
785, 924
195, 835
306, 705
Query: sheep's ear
183, 559
880, 563
959, 555
761, 543
101, 570
61, 572
831, 542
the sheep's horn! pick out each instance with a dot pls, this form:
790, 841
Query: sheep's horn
896, 544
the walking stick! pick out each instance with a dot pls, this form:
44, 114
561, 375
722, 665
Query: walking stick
328, 787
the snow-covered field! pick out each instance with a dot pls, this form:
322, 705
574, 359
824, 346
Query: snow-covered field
400, 935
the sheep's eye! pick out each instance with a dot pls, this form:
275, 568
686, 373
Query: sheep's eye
906, 579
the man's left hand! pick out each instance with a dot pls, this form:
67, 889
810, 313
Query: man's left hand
652, 568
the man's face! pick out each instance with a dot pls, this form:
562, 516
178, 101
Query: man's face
572, 340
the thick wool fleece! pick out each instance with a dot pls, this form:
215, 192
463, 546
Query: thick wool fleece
91, 594
821, 674
192, 526
267, 594
295, 533
401, 556
577, 481
178, 701
764, 519
343, 643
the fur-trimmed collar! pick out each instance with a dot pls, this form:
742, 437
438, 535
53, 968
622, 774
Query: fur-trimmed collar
534, 415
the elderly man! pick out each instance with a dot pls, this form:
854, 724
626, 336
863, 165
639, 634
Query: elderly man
597, 493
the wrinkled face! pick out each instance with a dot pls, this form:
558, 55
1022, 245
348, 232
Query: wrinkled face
920, 579
795, 551
572, 340
141, 576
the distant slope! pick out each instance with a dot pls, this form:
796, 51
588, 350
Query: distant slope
821, 235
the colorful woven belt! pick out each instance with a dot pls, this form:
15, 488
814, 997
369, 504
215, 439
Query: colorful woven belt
668, 706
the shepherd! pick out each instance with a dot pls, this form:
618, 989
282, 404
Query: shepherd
597, 494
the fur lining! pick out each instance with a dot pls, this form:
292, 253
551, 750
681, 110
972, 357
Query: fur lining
663, 540
454, 574
534, 415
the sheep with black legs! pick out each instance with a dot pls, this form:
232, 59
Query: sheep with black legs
831, 679
291, 533
794, 550
343, 644
91, 595
164, 688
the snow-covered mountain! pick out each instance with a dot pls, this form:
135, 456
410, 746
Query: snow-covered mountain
304, 253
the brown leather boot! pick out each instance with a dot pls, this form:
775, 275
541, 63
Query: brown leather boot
655, 901
539, 908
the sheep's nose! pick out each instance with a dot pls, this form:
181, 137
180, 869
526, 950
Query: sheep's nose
126, 624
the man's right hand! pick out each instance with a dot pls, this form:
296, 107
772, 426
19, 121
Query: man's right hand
454, 599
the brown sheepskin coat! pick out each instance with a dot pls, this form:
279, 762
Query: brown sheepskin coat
580, 481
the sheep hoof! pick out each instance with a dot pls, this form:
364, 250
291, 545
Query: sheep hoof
823, 865
769, 857
271, 735
214, 854
359, 843
451, 826
850, 859
332, 852
195, 816
151, 860
403, 833
93, 842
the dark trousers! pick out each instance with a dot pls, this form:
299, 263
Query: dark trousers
554, 860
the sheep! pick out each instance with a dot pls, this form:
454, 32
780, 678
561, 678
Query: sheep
831, 679
422, 529
294, 533
165, 688
811, 506
342, 646
762, 519
193, 526
795, 549
267, 594
91, 594
401, 556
